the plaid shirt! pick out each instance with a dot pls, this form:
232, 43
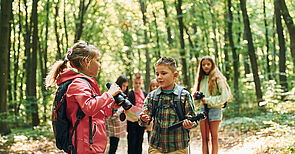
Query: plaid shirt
115, 127
161, 138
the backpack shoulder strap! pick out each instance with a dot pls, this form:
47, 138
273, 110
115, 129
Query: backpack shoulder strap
179, 106
80, 115
154, 105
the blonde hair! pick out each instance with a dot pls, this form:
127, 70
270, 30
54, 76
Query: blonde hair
170, 62
75, 56
214, 77
137, 76
154, 81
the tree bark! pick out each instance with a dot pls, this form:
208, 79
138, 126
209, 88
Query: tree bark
158, 50
16, 64
169, 36
235, 57
6, 7
266, 42
58, 55
251, 51
212, 12
79, 24
35, 115
291, 27
185, 76
65, 24
147, 64
282, 44
28, 63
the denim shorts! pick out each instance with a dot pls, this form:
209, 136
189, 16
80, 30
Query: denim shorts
214, 113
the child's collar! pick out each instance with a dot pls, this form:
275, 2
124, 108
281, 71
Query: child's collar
80, 73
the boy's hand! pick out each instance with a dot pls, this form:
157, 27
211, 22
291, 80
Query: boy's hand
187, 124
203, 100
143, 116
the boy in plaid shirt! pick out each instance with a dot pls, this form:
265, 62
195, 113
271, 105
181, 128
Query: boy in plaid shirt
164, 140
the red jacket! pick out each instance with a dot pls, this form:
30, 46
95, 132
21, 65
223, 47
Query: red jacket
79, 94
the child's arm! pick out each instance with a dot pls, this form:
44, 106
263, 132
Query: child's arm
189, 112
145, 116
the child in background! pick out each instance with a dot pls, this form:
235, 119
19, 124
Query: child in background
153, 86
115, 127
84, 62
164, 140
213, 85
135, 132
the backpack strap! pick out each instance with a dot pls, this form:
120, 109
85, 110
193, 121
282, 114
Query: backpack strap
179, 106
80, 115
155, 105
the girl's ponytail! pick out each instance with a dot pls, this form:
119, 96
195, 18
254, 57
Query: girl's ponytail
55, 72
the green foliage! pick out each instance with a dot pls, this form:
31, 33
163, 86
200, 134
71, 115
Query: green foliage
276, 100
26, 135
265, 123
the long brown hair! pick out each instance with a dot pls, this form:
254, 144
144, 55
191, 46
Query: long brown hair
215, 76
75, 56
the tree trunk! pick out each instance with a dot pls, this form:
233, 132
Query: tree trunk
186, 79
266, 42
11, 28
158, 50
282, 44
235, 57
27, 64
147, 64
43, 63
35, 115
16, 64
291, 28
274, 48
65, 24
58, 55
79, 24
170, 40
6, 7
251, 51
226, 47
212, 12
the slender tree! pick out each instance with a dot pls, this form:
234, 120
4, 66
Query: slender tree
58, 55
169, 35
80, 20
212, 12
266, 41
282, 44
291, 28
65, 24
235, 56
251, 51
146, 41
6, 7
34, 20
186, 79
158, 50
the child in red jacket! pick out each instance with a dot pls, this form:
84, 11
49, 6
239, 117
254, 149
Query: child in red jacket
82, 62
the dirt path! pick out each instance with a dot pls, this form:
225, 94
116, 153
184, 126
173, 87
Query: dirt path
229, 143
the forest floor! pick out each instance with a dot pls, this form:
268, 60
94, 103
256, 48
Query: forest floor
263, 141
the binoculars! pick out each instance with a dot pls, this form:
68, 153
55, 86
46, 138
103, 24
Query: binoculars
196, 118
120, 99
